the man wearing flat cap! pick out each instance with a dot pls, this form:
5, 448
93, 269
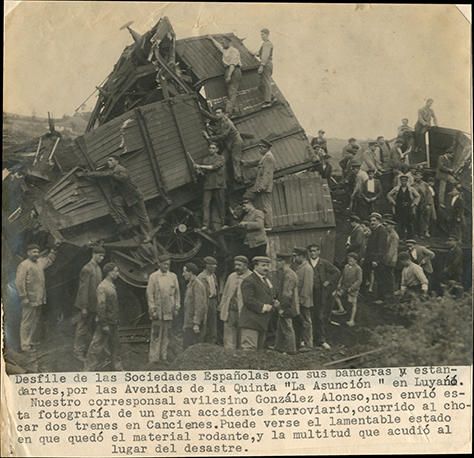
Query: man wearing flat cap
286, 293
209, 280
263, 186
255, 242
303, 323
164, 301
86, 301
258, 303
31, 288
231, 302
320, 141
453, 262
357, 240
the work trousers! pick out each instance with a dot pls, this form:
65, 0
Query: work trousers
384, 280
304, 327
231, 331
260, 250
251, 339
285, 339
104, 349
84, 332
191, 338
235, 150
232, 90
404, 217
120, 216
29, 326
320, 315
263, 201
159, 340
265, 84
424, 218
210, 335
213, 202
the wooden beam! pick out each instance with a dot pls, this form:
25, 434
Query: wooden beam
150, 151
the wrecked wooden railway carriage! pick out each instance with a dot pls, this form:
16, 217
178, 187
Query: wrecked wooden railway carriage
150, 112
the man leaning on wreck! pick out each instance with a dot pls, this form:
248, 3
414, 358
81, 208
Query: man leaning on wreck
124, 193
164, 301
31, 288
86, 301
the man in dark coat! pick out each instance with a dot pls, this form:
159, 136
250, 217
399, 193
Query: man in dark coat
258, 303
325, 278
255, 242
124, 192
453, 262
86, 301
455, 211
369, 196
357, 240
376, 253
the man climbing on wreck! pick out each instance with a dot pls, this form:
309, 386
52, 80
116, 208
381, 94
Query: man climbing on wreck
124, 192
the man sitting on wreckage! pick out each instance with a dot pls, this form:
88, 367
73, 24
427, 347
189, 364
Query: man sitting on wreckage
123, 192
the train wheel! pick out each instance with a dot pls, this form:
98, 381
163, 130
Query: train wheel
177, 236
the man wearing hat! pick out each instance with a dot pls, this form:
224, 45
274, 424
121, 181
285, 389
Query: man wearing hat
231, 302
258, 303
369, 195
357, 240
106, 340
233, 72
404, 200
86, 301
376, 254
209, 280
286, 293
414, 282
348, 154
391, 256
265, 70
124, 193
226, 134
303, 323
31, 288
214, 187
384, 152
453, 262
263, 186
445, 175
425, 209
455, 212
320, 141
255, 241
195, 306
164, 302
422, 256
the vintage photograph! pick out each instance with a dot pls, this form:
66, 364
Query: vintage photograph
194, 186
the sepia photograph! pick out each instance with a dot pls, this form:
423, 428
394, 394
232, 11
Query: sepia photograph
225, 186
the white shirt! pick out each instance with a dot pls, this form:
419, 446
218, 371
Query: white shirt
231, 56
413, 253
371, 185
264, 279
453, 200
314, 262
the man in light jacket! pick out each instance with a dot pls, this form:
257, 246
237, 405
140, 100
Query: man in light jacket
231, 302
30, 284
164, 301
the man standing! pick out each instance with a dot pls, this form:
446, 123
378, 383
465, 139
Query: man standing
325, 278
355, 181
213, 197
348, 154
455, 211
404, 129
369, 195
384, 151
414, 282
233, 72
445, 175
258, 302
209, 279
164, 302
422, 256
425, 209
124, 192
231, 302
86, 301
372, 158
404, 199
304, 326
286, 292
453, 262
255, 241
195, 307
376, 254
106, 341
263, 186
265, 70
398, 156
391, 256
227, 134
426, 117
320, 142
31, 288
357, 240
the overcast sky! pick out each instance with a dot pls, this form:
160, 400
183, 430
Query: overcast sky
352, 71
